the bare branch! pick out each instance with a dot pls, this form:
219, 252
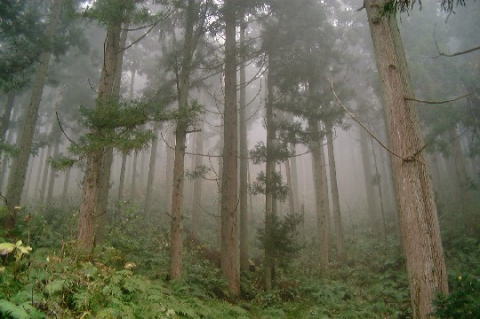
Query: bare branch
437, 102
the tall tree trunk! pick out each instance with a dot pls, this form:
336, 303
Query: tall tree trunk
337, 215
321, 194
104, 187
197, 183
230, 252
151, 172
169, 170
373, 215
176, 227
378, 183
92, 183
294, 177
269, 176
243, 153
133, 187
66, 183
53, 174
40, 167
46, 170
7, 114
291, 200
121, 183
16, 179
418, 212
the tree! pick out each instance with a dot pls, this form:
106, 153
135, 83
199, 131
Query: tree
418, 213
229, 214
16, 179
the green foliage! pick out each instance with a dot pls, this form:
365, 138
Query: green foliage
282, 240
463, 301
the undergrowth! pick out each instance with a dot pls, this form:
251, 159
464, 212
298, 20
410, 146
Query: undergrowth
128, 278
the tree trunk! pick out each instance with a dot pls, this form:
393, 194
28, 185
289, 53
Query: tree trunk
16, 179
151, 172
7, 114
269, 175
53, 174
372, 213
378, 182
133, 187
66, 182
337, 215
418, 213
197, 184
46, 170
169, 170
176, 228
291, 200
321, 194
121, 184
243, 203
230, 252
92, 184
104, 187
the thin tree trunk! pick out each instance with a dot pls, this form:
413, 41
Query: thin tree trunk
380, 192
16, 179
151, 172
121, 184
418, 212
230, 252
372, 212
46, 170
6, 116
197, 184
53, 174
337, 215
169, 170
321, 194
269, 175
243, 201
291, 200
66, 184
133, 187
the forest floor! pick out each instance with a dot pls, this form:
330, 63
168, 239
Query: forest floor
127, 278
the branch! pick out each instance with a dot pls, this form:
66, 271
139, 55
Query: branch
340, 103
437, 102
63, 131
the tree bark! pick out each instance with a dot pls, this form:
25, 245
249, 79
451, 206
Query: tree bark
46, 170
18, 170
230, 252
418, 212
321, 194
269, 175
66, 183
92, 184
6, 116
197, 184
243, 203
151, 172
53, 174
372, 209
133, 187
176, 227
121, 183
337, 215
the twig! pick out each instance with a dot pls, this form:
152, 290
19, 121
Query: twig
437, 102
340, 103
63, 131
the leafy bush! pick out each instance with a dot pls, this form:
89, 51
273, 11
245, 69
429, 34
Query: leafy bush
463, 301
